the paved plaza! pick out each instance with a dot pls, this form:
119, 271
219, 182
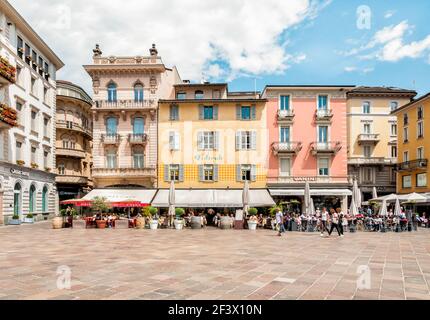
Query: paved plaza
210, 264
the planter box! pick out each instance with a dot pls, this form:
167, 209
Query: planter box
28, 220
79, 224
252, 225
179, 224
153, 224
14, 222
121, 224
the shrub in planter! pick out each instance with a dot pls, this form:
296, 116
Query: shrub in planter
252, 222
179, 221
153, 223
15, 220
20, 162
34, 165
29, 218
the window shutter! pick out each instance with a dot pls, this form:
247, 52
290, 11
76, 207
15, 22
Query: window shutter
172, 140
254, 140
238, 142
201, 112
181, 172
200, 140
215, 172
253, 172
200, 172
177, 141
253, 112
166, 173
216, 140
215, 110
238, 173
171, 112
238, 112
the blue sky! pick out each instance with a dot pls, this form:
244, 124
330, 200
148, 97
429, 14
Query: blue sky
273, 41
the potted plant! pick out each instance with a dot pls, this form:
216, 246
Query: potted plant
34, 165
100, 205
252, 222
179, 221
153, 222
15, 220
57, 222
20, 162
29, 218
141, 221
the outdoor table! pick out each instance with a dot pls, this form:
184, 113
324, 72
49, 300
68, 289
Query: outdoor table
132, 223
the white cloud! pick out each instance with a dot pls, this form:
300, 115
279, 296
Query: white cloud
388, 14
350, 69
365, 70
193, 35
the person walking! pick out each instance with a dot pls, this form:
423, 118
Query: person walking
280, 222
341, 216
335, 223
324, 219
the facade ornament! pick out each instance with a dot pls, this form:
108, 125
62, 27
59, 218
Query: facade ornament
152, 114
112, 59
153, 51
97, 52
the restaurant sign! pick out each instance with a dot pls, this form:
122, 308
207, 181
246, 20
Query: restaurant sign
19, 172
304, 179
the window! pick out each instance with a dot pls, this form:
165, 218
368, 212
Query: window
420, 153
34, 59
284, 103
394, 105
323, 164
367, 175
393, 151
45, 95
284, 167
181, 95
208, 113
111, 90
17, 199
18, 150
421, 179
18, 75
111, 158
32, 199
41, 66
174, 140
366, 128
174, 170
20, 47
111, 126
405, 134
199, 94
322, 102
46, 70
46, 127
207, 140
27, 53
66, 143
367, 151
138, 92
246, 172
46, 159
284, 135
394, 129
33, 154
393, 175
45, 199
245, 113
405, 156
322, 134
405, 119
420, 113
174, 113
207, 172
61, 169
406, 182
138, 126
33, 86
19, 106
246, 140
420, 129
366, 107
138, 158
33, 120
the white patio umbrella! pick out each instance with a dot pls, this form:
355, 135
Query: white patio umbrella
397, 210
245, 198
389, 198
312, 207
412, 197
353, 209
171, 201
374, 193
307, 197
383, 210
356, 194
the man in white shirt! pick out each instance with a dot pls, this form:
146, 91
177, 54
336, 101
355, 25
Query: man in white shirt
324, 219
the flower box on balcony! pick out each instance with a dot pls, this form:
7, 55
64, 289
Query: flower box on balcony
20, 162
34, 165
7, 71
8, 115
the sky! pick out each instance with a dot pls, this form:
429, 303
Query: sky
247, 43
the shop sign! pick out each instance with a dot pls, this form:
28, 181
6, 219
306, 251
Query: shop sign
19, 172
304, 179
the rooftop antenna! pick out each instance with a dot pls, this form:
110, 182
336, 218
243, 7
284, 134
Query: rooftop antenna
414, 84
255, 86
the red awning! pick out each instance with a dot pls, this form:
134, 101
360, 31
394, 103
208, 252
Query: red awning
118, 204
77, 202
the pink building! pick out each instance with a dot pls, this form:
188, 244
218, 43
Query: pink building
308, 142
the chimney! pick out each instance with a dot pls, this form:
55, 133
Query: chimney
153, 51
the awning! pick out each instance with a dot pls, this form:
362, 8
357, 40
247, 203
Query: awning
213, 198
123, 198
314, 192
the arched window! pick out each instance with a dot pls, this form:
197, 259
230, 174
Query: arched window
138, 92
199, 94
111, 89
17, 197
32, 199
45, 199
111, 161
111, 126
138, 126
138, 162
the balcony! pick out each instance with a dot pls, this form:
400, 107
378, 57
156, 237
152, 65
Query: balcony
124, 172
371, 161
140, 138
8, 117
412, 165
125, 104
286, 147
368, 138
73, 153
7, 72
285, 116
325, 147
323, 116
110, 139
67, 179
68, 125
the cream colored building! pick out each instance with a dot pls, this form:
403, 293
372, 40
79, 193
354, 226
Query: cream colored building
372, 137
27, 150
74, 141
126, 94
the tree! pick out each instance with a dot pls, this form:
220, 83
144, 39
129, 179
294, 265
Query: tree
100, 205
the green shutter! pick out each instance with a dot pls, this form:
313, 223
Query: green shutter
253, 172
201, 112
166, 173
238, 112
215, 112
181, 173
238, 173
200, 172
215, 172
253, 112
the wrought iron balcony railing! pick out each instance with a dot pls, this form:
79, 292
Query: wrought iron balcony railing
137, 138
411, 165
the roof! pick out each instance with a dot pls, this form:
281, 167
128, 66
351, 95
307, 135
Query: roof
413, 102
382, 90
210, 100
29, 32
305, 86
200, 84
71, 85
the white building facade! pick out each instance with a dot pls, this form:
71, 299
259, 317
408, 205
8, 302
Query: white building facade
27, 149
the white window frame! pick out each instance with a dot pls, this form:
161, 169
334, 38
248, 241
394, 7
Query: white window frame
393, 132
420, 149
319, 167
367, 147
281, 173
208, 168
405, 156
423, 174
391, 107
420, 124
290, 99
405, 134
176, 168
370, 107
410, 182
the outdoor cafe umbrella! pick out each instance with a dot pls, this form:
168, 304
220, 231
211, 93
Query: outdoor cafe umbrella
353, 209
356, 194
383, 209
245, 198
397, 210
412, 197
171, 201
374, 193
312, 207
307, 197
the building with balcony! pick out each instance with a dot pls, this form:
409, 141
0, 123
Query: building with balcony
125, 115
372, 137
74, 141
27, 111
413, 146
308, 137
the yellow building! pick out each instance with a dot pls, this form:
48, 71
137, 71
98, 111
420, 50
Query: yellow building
372, 137
413, 146
212, 139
